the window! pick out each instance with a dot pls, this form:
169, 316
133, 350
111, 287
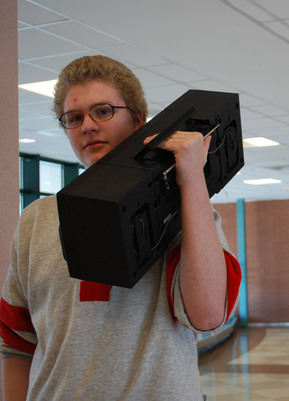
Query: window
50, 177
41, 177
81, 170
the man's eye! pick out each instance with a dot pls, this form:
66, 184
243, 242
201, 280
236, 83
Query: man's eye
104, 111
75, 117
101, 112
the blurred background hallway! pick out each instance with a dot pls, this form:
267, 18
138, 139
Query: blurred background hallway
252, 365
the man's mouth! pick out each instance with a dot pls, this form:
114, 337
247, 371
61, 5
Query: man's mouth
94, 144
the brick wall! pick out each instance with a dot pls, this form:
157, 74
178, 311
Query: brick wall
267, 244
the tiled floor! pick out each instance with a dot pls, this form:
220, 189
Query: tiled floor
252, 365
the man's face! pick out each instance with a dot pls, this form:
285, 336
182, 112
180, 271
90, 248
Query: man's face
93, 140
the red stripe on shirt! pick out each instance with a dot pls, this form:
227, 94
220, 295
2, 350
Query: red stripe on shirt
233, 278
94, 291
15, 341
15, 318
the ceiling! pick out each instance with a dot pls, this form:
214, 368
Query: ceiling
239, 46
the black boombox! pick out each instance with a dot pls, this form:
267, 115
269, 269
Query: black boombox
117, 218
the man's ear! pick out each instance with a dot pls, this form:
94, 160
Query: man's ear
138, 121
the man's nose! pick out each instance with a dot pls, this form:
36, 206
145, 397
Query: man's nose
88, 124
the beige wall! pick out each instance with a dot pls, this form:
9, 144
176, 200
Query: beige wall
267, 244
9, 165
9, 170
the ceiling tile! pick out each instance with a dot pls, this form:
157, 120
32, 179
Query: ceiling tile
57, 62
30, 98
258, 124
82, 34
33, 43
42, 108
212, 85
29, 73
251, 9
177, 73
247, 114
284, 119
281, 29
36, 15
269, 110
22, 25
28, 115
248, 100
264, 157
149, 79
276, 7
135, 55
37, 124
279, 134
165, 94
57, 147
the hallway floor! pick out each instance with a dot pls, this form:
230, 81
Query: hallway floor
252, 365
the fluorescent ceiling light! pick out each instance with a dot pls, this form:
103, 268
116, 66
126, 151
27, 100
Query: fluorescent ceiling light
27, 140
259, 141
43, 88
262, 181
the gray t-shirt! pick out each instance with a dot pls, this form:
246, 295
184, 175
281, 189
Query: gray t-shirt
129, 348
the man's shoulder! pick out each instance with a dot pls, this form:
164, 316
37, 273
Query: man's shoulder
40, 209
48, 202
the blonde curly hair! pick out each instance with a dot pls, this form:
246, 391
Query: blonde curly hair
104, 69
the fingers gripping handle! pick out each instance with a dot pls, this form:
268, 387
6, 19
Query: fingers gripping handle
165, 133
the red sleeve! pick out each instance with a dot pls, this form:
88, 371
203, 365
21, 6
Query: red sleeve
233, 278
234, 281
173, 260
18, 319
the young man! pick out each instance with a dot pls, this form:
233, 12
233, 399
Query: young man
66, 339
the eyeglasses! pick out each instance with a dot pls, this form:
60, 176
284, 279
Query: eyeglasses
98, 112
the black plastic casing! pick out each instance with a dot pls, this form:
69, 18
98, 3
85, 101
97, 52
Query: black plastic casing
118, 217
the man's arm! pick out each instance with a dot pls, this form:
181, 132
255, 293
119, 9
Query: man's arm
203, 274
15, 378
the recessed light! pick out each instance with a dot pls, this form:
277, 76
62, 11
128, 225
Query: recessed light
259, 141
27, 140
262, 181
43, 87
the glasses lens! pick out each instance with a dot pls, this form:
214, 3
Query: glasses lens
101, 112
72, 119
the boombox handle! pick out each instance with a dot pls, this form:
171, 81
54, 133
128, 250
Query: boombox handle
165, 133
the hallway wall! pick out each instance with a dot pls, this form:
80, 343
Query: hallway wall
267, 244
9, 145
9, 149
